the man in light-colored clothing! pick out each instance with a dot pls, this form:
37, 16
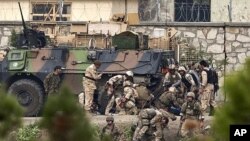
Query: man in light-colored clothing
207, 87
91, 76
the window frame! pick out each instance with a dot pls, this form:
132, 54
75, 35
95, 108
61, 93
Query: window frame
53, 13
190, 19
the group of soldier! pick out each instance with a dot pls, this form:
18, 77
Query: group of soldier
188, 92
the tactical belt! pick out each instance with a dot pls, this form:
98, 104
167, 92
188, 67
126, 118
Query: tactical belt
90, 78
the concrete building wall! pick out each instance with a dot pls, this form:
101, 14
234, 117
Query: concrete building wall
240, 10
88, 10
9, 10
81, 10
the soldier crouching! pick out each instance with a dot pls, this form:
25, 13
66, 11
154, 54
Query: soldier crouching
151, 121
191, 118
126, 103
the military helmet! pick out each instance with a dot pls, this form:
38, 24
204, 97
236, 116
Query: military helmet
172, 89
172, 66
181, 68
109, 118
130, 73
191, 94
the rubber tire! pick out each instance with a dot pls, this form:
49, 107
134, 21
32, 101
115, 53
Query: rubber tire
37, 95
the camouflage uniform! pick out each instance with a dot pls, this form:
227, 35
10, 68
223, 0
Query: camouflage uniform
127, 102
149, 118
169, 100
111, 84
207, 91
111, 130
144, 96
51, 83
89, 85
172, 79
190, 117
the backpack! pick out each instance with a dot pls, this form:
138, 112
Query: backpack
195, 77
215, 79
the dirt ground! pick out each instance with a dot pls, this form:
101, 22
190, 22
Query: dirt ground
126, 121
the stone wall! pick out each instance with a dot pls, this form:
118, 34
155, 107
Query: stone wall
209, 38
5, 33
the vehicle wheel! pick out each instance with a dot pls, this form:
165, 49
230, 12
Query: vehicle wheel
29, 95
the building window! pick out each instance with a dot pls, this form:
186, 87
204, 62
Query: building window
150, 10
192, 10
50, 12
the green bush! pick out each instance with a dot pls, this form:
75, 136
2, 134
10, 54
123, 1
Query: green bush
236, 109
28, 133
65, 120
10, 114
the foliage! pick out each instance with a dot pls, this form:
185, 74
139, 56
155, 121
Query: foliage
10, 114
65, 120
13, 38
128, 133
28, 133
236, 110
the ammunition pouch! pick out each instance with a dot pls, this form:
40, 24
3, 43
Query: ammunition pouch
144, 114
145, 122
189, 112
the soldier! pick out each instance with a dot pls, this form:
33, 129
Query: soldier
126, 103
172, 78
145, 97
111, 85
52, 81
169, 100
111, 130
190, 82
191, 117
207, 87
89, 84
151, 119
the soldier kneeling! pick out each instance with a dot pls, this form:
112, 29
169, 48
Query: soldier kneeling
150, 121
126, 103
